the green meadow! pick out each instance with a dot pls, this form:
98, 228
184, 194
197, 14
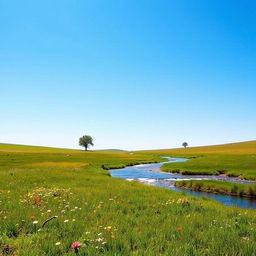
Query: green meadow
50, 198
236, 159
220, 187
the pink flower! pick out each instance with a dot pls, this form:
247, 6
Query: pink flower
75, 245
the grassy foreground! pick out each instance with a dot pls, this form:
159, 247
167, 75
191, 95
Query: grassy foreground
107, 216
220, 187
236, 159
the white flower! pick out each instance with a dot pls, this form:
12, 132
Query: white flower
58, 243
35, 222
66, 221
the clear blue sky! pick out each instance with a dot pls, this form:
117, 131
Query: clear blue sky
133, 74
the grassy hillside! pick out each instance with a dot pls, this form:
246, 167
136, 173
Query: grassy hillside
236, 159
219, 187
240, 148
33, 149
107, 216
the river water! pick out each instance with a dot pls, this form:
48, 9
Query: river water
151, 174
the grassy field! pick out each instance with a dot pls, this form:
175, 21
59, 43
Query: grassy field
108, 216
236, 159
220, 187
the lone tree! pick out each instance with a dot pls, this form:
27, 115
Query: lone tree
86, 141
184, 144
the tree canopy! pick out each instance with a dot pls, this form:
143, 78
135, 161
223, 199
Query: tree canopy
184, 144
86, 141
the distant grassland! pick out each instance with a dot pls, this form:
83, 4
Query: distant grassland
244, 148
236, 159
220, 187
108, 216
33, 149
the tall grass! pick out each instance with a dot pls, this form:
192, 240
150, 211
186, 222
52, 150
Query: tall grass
108, 216
220, 187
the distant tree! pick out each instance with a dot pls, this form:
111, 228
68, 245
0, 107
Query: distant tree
85, 141
184, 144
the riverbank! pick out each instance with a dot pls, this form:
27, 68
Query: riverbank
150, 174
233, 160
121, 166
219, 187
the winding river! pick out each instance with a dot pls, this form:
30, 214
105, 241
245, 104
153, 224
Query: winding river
151, 174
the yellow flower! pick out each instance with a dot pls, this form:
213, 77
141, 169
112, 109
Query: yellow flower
58, 243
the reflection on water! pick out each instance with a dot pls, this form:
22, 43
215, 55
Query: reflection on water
150, 174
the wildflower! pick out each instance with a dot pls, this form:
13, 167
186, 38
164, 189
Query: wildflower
74, 220
58, 243
182, 201
246, 238
113, 236
49, 211
109, 228
35, 222
99, 239
66, 221
75, 246
179, 228
39, 201
32, 217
